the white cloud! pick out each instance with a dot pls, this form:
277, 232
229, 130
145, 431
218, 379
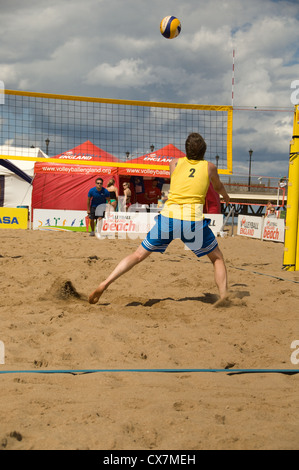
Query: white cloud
125, 74
263, 168
267, 131
262, 73
114, 49
8, 73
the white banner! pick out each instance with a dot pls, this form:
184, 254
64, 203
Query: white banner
268, 228
250, 226
121, 223
216, 222
124, 223
273, 229
142, 222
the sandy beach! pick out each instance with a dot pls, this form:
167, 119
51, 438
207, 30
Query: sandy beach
161, 315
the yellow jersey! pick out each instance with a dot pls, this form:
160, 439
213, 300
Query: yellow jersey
188, 188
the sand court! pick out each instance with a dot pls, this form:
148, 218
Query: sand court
160, 315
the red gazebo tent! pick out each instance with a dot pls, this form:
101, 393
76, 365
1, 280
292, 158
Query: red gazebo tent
163, 157
65, 186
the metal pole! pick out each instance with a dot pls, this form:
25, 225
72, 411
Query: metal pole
233, 222
47, 146
249, 177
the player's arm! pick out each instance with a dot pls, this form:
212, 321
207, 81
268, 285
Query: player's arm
172, 165
107, 195
88, 204
217, 184
127, 193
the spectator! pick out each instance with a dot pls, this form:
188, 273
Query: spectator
113, 193
163, 199
127, 194
272, 212
269, 206
96, 204
138, 188
212, 203
153, 194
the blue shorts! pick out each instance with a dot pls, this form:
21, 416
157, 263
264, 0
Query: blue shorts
97, 212
197, 236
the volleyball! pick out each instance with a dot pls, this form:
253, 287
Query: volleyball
170, 27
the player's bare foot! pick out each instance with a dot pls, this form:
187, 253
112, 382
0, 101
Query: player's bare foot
224, 301
95, 296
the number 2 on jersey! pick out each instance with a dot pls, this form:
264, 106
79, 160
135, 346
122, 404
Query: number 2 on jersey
192, 171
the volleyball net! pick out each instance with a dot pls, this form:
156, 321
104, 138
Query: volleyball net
125, 130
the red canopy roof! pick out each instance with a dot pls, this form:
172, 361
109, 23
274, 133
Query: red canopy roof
160, 157
66, 184
87, 152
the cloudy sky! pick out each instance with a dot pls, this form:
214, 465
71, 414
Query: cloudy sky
113, 49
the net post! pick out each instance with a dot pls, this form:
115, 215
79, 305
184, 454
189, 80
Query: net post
291, 250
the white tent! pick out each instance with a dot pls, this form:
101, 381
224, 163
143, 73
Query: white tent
15, 187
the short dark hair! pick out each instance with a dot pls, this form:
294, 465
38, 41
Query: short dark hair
195, 146
99, 179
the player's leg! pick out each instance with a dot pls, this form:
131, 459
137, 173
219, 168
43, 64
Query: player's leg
92, 218
123, 267
99, 227
99, 216
92, 224
220, 272
205, 243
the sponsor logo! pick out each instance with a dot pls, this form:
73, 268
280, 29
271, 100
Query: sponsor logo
120, 225
249, 224
154, 158
9, 220
71, 156
271, 230
248, 227
271, 233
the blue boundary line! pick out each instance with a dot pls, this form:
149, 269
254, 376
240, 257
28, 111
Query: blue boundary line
178, 371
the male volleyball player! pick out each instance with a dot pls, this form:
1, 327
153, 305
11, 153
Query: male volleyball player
96, 204
182, 217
